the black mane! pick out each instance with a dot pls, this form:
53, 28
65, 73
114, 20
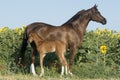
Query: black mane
74, 17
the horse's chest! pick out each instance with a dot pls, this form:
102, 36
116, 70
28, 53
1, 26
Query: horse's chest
74, 38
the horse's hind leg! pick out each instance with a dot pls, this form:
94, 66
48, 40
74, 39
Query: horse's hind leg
63, 62
32, 67
41, 64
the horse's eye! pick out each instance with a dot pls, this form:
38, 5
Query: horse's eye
96, 12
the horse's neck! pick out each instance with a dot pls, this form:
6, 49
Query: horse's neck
81, 25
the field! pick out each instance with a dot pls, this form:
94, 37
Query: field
28, 77
97, 59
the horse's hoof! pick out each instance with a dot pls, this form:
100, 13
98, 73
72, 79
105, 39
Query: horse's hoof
70, 73
35, 75
41, 75
61, 76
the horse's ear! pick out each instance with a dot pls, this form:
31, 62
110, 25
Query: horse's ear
95, 6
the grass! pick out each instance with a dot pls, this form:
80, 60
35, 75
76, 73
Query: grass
31, 77
81, 72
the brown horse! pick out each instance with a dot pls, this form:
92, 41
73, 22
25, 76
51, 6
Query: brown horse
70, 33
45, 46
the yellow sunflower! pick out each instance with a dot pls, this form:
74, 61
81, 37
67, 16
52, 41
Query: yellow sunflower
16, 30
118, 35
23, 28
103, 49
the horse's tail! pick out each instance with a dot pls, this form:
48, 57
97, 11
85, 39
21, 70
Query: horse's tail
21, 59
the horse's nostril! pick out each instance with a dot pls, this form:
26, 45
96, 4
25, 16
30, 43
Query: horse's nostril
104, 21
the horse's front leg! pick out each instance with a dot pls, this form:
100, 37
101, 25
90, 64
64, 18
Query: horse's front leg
32, 67
42, 55
73, 51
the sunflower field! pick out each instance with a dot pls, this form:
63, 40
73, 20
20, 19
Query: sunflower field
98, 56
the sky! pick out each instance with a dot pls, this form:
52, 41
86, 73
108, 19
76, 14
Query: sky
16, 13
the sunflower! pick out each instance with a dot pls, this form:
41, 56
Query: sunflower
103, 49
119, 36
23, 28
16, 30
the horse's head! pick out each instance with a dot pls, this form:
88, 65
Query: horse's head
96, 15
30, 38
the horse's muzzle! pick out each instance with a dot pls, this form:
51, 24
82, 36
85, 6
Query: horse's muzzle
104, 21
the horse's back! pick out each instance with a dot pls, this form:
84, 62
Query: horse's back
36, 26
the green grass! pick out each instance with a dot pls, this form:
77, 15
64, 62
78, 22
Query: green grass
83, 71
30, 77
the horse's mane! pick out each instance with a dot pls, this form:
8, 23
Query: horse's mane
74, 17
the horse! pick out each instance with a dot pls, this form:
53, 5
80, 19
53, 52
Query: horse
70, 33
47, 46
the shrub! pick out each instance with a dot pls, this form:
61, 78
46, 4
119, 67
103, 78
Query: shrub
88, 61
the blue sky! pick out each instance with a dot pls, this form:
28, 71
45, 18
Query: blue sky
15, 13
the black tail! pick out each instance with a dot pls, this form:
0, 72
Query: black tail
21, 60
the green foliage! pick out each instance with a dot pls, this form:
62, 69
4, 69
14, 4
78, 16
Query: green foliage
89, 61
92, 42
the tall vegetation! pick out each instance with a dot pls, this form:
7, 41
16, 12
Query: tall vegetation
99, 55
